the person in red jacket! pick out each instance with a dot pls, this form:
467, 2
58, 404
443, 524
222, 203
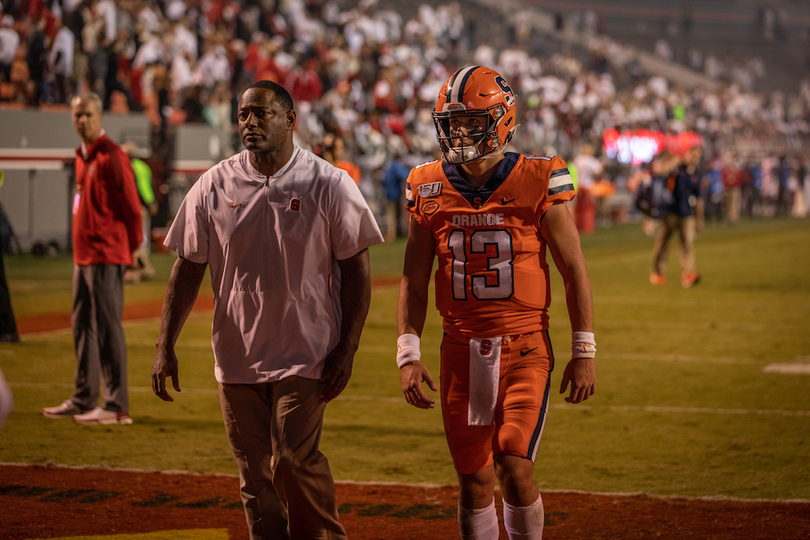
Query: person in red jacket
106, 231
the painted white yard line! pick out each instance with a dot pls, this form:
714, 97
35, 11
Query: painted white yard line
425, 485
788, 369
181, 343
616, 408
681, 410
135, 389
800, 366
679, 358
707, 325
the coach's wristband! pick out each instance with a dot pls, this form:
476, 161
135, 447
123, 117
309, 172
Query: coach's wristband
582, 345
407, 349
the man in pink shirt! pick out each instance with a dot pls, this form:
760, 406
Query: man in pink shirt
106, 231
286, 236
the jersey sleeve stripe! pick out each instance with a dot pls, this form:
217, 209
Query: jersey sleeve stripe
409, 202
559, 182
561, 189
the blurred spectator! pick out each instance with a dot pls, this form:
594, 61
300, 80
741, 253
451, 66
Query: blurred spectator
8, 325
663, 49
396, 172
217, 111
304, 82
107, 12
640, 186
332, 151
713, 192
36, 54
682, 179
784, 200
141, 268
115, 79
752, 190
180, 73
213, 67
799, 209
733, 180
60, 63
192, 104
9, 42
589, 169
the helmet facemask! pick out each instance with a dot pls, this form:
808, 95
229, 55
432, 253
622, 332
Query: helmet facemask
485, 140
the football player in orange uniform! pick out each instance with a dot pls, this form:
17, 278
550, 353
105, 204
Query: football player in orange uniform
488, 217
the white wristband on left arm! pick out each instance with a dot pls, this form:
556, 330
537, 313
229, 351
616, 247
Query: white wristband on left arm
408, 349
583, 345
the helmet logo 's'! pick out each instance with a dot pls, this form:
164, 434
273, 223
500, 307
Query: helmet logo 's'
510, 95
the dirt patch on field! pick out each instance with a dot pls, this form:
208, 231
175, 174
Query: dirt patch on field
46, 502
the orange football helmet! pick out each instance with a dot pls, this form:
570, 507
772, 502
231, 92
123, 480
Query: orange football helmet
475, 90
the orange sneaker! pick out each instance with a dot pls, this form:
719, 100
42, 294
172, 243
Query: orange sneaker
690, 279
657, 279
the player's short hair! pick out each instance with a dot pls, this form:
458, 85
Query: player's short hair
283, 97
92, 96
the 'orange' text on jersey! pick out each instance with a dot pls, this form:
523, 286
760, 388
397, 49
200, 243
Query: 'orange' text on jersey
492, 278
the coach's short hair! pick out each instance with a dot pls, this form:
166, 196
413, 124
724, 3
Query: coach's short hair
283, 97
92, 96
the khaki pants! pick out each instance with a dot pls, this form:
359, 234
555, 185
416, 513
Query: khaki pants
686, 233
286, 485
393, 211
732, 197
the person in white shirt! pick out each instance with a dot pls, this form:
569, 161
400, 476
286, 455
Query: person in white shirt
183, 40
180, 75
60, 61
9, 42
108, 11
286, 236
589, 170
212, 68
151, 51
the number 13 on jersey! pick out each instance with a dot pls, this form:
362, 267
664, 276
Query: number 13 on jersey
497, 281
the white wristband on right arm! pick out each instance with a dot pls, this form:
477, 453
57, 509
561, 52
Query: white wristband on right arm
583, 345
408, 349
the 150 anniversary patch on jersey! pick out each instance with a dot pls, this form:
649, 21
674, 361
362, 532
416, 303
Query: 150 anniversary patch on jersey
430, 190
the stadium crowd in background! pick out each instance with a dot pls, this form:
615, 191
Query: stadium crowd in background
368, 75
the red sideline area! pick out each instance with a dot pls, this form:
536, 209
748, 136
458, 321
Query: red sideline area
49, 322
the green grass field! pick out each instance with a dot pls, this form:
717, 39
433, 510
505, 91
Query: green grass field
684, 405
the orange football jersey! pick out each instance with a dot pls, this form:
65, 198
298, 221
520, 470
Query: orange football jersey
492, 278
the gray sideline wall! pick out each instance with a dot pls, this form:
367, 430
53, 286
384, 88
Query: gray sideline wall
36, 152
